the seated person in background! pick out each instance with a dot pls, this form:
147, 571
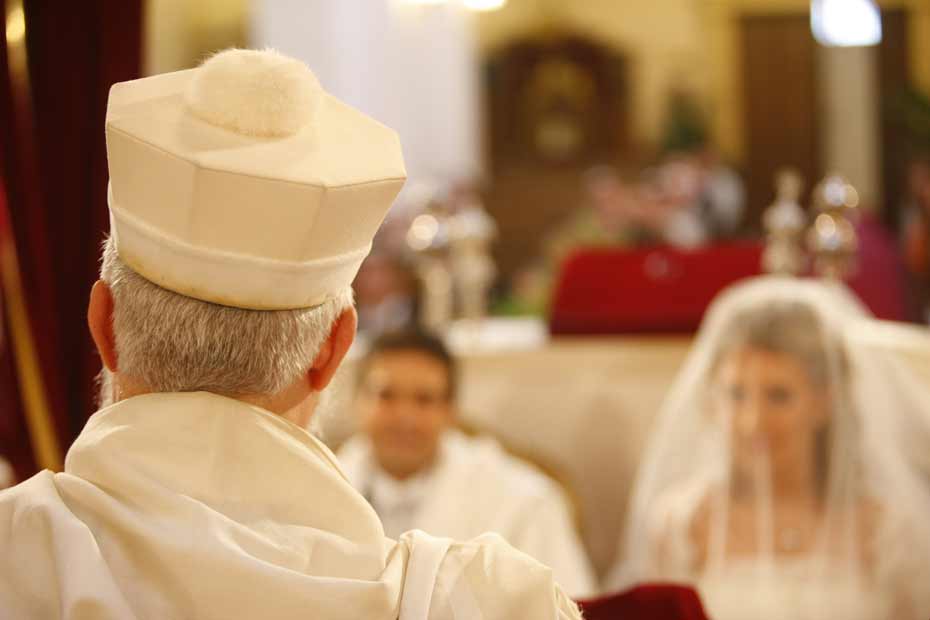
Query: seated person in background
419, 472
221, 316
704, 200
690, 199
778, 481
722, 196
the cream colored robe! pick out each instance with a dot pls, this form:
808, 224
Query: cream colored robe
476, 487
195, 506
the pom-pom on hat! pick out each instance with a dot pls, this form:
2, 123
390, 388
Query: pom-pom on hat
243, 183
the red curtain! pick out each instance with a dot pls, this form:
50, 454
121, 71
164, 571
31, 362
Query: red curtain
55, 174
15, 444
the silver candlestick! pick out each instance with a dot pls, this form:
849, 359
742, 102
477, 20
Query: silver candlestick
428, 238
784, 223
832, 238
471, 232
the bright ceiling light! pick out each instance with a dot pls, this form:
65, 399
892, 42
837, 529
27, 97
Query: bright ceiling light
16, 26
484, 5
846, 23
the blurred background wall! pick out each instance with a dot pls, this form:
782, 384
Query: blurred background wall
539, 110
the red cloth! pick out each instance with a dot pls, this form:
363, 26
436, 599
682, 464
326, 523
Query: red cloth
879, 277
662, 289
15, 445
647, 602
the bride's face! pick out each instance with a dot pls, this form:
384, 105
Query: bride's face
771, 407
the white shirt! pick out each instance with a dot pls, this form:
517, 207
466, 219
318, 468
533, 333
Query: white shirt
178, 506
398, 502
476, 487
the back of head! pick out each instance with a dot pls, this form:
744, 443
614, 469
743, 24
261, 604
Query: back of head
243, 199
173, 343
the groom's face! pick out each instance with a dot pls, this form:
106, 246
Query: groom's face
405, 405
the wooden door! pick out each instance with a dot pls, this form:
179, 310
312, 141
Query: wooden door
779, 76
893, 72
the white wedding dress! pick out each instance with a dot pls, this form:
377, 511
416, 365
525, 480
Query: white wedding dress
776, 588
703, 509
786, 592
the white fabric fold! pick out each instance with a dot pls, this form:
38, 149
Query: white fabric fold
199, 506
476, 487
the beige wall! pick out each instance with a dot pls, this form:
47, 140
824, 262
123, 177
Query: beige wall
663, 40
179, 33
692, 42
851, 133
721, 19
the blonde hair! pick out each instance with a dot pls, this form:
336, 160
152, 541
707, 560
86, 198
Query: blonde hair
791, 328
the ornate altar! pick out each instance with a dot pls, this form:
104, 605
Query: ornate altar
556, 104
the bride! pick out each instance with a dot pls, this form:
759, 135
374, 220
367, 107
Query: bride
776, 482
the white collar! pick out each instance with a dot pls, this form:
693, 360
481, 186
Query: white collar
238, 459
386, 492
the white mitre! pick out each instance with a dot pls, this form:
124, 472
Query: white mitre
243, 183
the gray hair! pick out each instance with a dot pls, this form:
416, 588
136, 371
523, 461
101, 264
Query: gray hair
174, 343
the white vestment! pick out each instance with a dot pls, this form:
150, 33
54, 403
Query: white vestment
198, 506
476, 487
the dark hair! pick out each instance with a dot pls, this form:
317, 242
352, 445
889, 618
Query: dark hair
416, 341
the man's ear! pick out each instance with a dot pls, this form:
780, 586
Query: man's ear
333, 350
100, 321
